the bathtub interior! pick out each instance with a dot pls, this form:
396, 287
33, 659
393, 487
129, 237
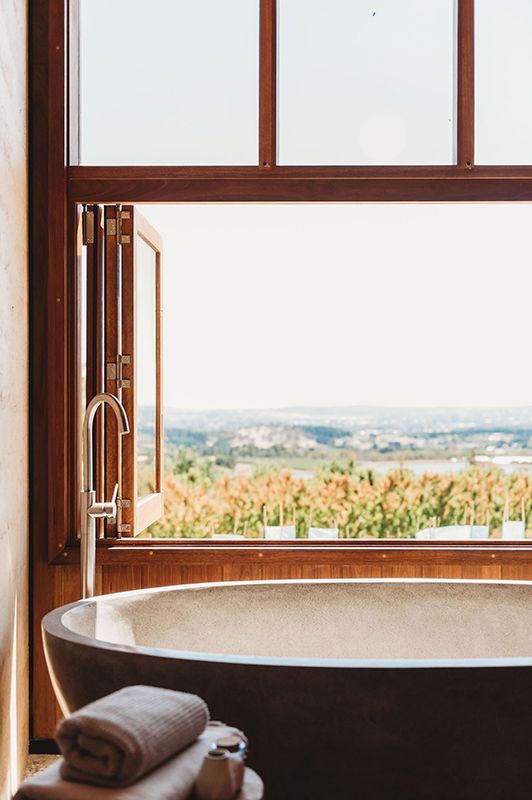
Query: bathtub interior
345, 620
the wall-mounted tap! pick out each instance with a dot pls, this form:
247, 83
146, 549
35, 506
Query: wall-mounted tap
89, 508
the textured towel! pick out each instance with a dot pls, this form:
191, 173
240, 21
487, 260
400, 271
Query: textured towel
116, 739
173, 780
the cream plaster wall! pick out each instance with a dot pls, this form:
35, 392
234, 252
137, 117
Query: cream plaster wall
13, 395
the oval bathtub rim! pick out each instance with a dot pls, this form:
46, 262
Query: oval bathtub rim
52, 624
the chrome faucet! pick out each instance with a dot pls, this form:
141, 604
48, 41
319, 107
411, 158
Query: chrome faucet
89, 508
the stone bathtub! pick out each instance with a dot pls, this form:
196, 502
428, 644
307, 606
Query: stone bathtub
363, 689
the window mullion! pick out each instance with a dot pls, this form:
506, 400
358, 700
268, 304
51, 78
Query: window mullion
268, 84
466, 84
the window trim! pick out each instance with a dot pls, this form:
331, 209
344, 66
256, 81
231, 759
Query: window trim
146, 509
203, 552
58, 184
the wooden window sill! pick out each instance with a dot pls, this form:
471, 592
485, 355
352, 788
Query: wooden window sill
204, 552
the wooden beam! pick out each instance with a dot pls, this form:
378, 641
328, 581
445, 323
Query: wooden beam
49, 300
278, 188
466, 85
381, 173
268, 85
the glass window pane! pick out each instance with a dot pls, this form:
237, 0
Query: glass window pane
146, 369
169, 82
366, 82
503, 82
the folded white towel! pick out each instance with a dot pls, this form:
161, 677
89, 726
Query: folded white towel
117, 739
173, 780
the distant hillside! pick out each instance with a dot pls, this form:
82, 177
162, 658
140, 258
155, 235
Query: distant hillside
356, 417
357, 430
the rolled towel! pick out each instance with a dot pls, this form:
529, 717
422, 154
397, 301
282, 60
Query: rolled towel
117, 739
173, 780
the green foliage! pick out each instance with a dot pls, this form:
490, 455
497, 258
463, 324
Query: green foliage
202, 497
193, 469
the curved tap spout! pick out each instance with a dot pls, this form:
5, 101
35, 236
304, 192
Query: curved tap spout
88, 425
89, 508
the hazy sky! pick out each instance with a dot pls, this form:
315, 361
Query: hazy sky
503, 86
275, 305
366, 81
169, 81
324, 304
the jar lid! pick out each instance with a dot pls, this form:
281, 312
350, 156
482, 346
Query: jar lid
233, 742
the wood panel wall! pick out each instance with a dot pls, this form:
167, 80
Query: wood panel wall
63, 587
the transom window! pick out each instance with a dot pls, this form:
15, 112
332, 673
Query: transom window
342, 83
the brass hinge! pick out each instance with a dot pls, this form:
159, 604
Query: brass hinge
110, 227
124, 529
87, 227
113, 227
115, 371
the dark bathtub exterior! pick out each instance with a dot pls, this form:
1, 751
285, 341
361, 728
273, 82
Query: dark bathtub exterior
453, 732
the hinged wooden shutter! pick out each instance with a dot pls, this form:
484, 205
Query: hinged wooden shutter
124, 357
142, 340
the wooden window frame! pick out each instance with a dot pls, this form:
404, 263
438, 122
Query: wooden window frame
58, 184
147, 509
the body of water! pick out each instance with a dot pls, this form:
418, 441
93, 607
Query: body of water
417, 467
421, 467
438, 467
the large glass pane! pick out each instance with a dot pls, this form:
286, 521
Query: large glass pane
146, 354
169, 82
503, 82
366, 82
